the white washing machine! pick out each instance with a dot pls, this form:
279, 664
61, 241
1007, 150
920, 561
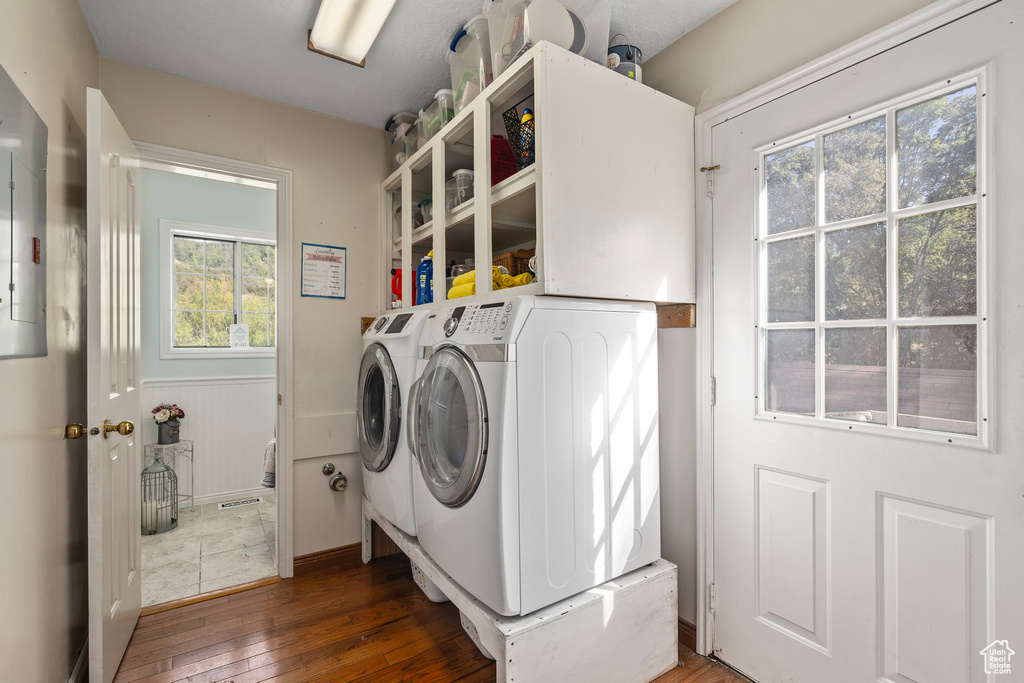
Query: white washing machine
387, 371
535, 428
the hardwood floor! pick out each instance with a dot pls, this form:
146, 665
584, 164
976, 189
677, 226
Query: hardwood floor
347, 622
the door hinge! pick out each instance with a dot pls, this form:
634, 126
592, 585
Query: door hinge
710, 170
711, 598
279, 400
714, 391
11, 184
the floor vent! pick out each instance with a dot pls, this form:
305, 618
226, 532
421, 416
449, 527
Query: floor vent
239, 503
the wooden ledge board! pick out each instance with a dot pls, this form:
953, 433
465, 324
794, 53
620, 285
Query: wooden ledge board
676, 315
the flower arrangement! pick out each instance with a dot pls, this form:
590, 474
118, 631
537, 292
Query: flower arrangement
166, 412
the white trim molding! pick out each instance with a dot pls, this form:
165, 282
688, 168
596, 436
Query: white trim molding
904, 30
80, 671
196, 162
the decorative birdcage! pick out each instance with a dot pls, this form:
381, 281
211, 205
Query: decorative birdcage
159, 498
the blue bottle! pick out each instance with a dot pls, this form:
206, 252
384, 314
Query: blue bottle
425, 280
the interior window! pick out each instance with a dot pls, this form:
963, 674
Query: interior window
217, 283
869, 267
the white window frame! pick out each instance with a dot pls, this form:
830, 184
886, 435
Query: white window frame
169, 229
890, 216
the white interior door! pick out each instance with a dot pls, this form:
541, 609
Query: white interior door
115, 578
868, 449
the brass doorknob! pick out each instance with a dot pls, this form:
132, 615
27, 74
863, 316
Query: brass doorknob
74, 431
123, 428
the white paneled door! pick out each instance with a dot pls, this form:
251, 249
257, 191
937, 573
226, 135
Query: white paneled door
868, 446
115, 579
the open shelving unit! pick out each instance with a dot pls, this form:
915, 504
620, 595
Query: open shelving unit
607, 205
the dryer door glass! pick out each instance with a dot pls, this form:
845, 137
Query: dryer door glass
378, 409
452, 430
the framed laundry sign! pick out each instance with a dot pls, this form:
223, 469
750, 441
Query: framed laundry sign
323, 271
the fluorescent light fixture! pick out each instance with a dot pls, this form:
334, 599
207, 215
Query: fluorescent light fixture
346, 29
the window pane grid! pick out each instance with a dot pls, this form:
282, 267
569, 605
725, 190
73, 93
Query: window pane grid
772, 240
199, 264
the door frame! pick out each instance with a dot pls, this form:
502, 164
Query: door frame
901, 31
152, 156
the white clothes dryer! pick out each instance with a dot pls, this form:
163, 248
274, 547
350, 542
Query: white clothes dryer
535, 427
386, 372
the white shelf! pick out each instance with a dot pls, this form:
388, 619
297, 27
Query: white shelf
586, 205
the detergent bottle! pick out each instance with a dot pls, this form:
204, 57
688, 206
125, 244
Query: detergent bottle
425, 280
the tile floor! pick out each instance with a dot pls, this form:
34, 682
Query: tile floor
209, 550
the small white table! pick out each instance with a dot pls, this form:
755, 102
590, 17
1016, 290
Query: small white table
166, 453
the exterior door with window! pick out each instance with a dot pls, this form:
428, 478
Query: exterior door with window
868, 279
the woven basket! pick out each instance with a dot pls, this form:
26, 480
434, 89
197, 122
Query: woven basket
517, 262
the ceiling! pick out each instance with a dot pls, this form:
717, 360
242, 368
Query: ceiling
258, 47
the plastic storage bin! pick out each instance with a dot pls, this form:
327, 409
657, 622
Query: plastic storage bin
469, 59
427, 208
438, 113
459, 188
397, 128
580, 26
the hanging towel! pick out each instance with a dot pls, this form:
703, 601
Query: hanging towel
466, 289
270, 464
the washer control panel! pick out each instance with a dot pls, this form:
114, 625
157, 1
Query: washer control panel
479, 322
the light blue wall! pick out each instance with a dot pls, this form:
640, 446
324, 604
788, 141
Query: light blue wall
194, 200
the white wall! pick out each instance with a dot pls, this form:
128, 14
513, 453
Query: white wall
229, 420
337, 167
748, 43
46, 48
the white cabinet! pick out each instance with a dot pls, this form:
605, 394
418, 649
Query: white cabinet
608, 203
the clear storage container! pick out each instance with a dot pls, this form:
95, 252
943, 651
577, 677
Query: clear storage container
580, 26
439, 112
415, 138
459, 188
427, 208
469, 59
397, 128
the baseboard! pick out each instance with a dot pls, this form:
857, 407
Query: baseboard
81, 669
688, 634
325, 559
229, 495
203, 597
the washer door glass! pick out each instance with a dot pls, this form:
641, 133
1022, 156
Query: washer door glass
379, 411
451, 434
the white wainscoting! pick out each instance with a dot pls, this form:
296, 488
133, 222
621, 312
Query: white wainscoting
230, 419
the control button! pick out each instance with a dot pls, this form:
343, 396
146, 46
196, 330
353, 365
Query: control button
450, 325
504, 321
508, 307
381, 322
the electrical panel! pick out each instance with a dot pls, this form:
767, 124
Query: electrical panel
22, 225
